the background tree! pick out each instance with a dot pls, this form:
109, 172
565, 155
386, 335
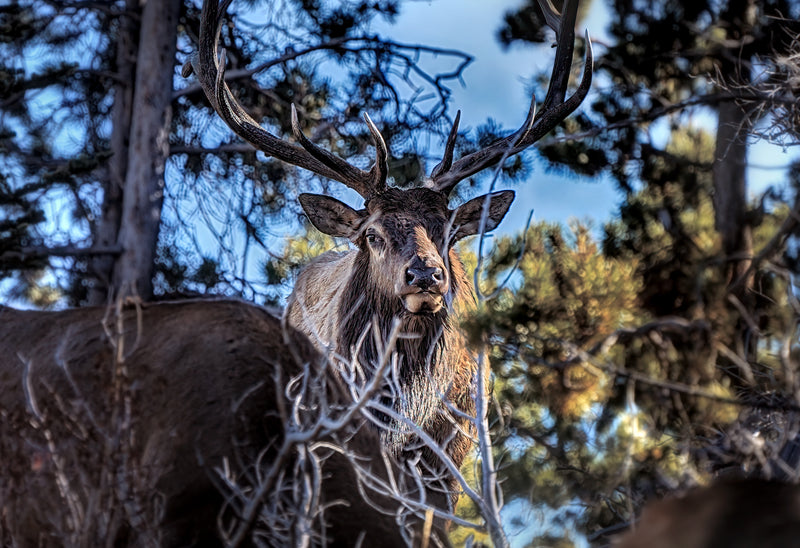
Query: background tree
665, 351
117, 177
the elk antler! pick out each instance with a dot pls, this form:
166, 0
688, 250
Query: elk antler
447, 174
209, 65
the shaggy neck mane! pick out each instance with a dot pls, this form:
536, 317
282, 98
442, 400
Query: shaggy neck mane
424, 338
430, 350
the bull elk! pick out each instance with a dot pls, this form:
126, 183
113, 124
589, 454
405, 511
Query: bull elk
403, 270
197, 419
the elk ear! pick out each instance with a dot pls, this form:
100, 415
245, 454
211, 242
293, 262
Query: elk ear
330, 216
467, 217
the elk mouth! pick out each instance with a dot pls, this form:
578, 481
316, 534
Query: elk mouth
423, 302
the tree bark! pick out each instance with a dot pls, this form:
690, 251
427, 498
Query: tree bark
107, 228
731, 218
149, 147
730, 190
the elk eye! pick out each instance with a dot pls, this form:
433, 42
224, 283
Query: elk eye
374, 240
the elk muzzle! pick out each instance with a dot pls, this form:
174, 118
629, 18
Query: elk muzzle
426, 283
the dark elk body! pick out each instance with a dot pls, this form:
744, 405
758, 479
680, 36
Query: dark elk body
157, 411
127, 415
730, 514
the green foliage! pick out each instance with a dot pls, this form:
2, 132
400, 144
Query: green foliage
568, 292
298, 251
614, 363
568, 296
466, 509
615, 390
668, 226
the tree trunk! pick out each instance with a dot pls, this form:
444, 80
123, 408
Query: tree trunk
730, 158
730, 190
148, 149
107, 229
731, 219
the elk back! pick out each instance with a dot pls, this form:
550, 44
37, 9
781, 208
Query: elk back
730, 514
113, 424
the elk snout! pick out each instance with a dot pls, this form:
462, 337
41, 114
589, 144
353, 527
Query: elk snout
424, 277
425, 286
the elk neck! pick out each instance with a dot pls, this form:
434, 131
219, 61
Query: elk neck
433, 363
426, 340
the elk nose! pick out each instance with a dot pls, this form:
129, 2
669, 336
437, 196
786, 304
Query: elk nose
424, 276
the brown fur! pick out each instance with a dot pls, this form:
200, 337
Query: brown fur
339, 296
188, 364
730, 514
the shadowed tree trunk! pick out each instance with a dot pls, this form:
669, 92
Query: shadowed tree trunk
730, 190
107, 229
729, 173
148, 147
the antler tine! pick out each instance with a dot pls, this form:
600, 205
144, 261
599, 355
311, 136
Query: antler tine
447, 159
551, 15
523, 132
553, 110
565, 40
357, 179
210, 70
380, 170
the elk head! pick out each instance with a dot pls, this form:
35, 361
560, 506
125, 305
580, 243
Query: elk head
410, 242
406, 235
